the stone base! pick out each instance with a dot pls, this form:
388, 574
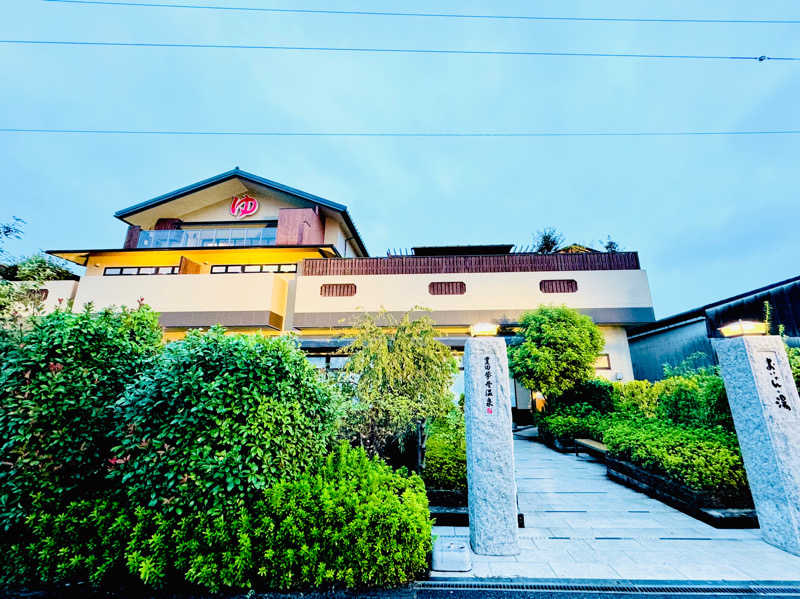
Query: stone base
451, 554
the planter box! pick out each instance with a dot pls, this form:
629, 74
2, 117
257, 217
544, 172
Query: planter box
700, 505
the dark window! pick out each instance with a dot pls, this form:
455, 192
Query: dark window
558, 286
447, 288
114, 271
337, 290
251, 268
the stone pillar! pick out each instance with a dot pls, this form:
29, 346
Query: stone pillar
492, 488
766, 412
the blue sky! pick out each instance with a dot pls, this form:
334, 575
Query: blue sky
710, 216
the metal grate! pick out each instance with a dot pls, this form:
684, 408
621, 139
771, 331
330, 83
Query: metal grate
558, 286
610, 587
447, 288
337, 290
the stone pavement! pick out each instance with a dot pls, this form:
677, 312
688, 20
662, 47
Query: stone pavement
580, 524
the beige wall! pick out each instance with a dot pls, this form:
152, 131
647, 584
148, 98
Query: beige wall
485, 291
268, 206
618, 353
185, 293
334, 234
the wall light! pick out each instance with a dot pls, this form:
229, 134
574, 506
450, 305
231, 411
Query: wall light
743, 327
483, 329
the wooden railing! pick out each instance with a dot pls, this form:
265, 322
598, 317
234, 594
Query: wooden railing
404, 265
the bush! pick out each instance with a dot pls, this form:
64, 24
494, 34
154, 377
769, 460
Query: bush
635, 398
596, 393
217, 417
354, 523
703, 459
579, 421
59, 381
678, 399
83, 541
446, 453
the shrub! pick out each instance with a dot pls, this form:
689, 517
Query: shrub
596, 393
678, 399
793, 353
59, 380
703, 459
353, 523
446, 453
635, 398
83, 541
714, 402
217, 417
558, 350
578, 421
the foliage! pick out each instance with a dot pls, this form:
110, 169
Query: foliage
547, 241
635, 398
216, 417
696, 363
446, 454
59, 381
558, 351
703, 459
694, 399
793, 353
577, 421
399, 375
82, 542
12, 230
610, 246
596, 393
353, 523
38, 268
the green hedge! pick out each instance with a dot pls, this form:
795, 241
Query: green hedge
703, 459
446, 453
352, 523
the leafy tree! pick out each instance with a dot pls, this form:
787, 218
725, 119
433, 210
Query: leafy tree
558, 350
611, 246
547, 241
38, 268
12, 230
399, 376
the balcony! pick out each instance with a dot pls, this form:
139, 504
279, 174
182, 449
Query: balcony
226, 237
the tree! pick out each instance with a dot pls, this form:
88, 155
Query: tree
558, 350
547, 241
399, 376
611, 246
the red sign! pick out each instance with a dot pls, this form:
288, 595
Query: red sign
243, 206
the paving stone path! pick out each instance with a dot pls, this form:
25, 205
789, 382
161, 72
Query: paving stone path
580, 524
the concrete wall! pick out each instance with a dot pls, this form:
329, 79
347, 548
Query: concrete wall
616, 297
188, 293
619, 355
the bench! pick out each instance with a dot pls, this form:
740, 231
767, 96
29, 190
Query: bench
593, 448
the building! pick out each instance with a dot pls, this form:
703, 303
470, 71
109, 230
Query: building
671, 340
255, 255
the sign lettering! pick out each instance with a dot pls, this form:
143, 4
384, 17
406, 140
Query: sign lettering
243, 206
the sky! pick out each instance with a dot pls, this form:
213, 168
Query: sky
709, 216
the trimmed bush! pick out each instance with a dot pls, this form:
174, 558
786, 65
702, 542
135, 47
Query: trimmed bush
354, 523
446, 452
580, 421
635, 398
598, 394
59, 380
218, 417
703, 459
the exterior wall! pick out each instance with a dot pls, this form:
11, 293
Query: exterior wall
299, 226
670, 345
334, 235
244, 300
56, 290
611, 297
205, 257
619, 355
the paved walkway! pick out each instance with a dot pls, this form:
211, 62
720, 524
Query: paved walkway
580, 524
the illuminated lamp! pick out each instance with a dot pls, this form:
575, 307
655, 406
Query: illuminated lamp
483, 329
743, 327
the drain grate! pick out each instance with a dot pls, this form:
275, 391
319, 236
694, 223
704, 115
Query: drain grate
670, 589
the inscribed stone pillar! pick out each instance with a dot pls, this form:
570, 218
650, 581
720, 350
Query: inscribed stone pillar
492, 488
766, 411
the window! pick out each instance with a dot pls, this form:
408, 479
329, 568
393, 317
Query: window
558, 286
603, 362
337, 290
251, 268
447, 288
115, 271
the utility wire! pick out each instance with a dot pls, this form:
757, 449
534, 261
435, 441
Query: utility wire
392, 50
498, 134
433, 14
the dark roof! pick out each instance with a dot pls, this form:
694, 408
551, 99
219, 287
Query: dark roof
462, 250
702, 310
237, 173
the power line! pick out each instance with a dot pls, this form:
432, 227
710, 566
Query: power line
434, 14
497, 134
199, 45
